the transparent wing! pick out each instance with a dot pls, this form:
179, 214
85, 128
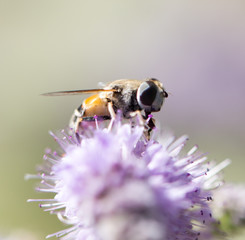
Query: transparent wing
77, 92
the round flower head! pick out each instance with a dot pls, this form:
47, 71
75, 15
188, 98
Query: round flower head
114, 184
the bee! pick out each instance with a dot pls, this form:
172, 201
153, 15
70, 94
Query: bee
127, 95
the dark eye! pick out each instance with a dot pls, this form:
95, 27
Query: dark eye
147, 93
150, 96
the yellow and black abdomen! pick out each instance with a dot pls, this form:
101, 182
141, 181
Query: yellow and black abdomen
95, 106
91, 107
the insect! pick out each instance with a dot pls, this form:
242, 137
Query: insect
129, 96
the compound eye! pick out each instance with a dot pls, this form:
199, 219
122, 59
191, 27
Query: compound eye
146, 93
150, 96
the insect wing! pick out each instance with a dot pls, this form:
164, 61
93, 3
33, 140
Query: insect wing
77, 92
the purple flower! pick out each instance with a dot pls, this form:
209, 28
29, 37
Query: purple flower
113, 184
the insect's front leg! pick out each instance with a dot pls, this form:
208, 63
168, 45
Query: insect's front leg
138, 114
147, 121
150, 125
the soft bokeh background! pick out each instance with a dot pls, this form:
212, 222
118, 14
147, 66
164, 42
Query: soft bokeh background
196, 48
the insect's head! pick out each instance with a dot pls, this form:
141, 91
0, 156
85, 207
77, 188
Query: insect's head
151, 95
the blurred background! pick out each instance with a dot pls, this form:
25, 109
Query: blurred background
196, 48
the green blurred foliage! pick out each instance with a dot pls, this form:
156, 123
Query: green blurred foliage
196, 48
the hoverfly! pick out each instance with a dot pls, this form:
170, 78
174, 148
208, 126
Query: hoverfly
127, 95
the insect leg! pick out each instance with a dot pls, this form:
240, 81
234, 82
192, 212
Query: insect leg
139, 116
112, 113
146, 121
111, 110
